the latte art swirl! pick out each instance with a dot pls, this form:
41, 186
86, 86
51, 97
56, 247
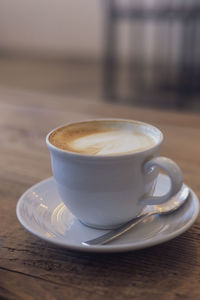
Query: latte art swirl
101, 138
111, 142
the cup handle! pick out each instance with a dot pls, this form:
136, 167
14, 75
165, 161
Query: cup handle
174, 173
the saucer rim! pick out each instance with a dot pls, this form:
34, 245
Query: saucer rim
125, 247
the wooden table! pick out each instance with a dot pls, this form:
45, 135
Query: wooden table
33, 269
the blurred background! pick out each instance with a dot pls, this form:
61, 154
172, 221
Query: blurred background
136, 52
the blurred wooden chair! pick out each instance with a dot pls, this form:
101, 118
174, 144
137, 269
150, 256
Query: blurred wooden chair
176, 24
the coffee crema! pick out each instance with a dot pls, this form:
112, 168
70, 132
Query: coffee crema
101, 138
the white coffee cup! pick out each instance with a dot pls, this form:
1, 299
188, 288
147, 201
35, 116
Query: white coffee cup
109, 190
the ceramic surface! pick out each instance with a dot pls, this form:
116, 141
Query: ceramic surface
107, 191
41, 211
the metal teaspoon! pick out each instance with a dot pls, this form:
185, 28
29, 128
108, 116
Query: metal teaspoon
168, 207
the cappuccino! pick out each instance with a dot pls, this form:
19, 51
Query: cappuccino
102, 138
107, 172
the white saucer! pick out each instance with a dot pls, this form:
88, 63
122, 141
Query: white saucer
41, 211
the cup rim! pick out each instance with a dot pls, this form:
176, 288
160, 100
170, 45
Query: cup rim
100, 157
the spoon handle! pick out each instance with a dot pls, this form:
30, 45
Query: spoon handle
113, 234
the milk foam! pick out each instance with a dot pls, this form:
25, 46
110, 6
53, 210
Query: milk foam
111, 142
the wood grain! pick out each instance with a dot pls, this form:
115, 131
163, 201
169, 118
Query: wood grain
33, 269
